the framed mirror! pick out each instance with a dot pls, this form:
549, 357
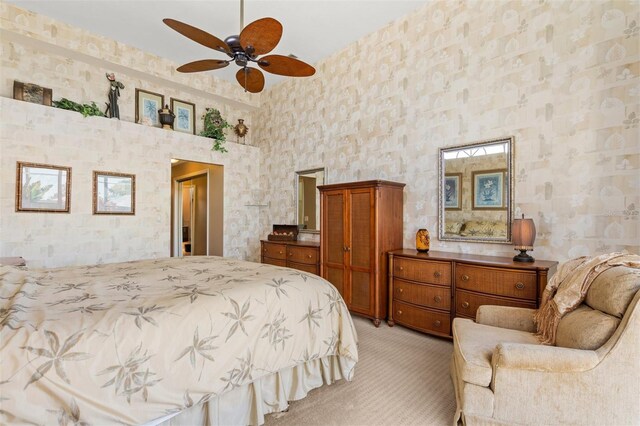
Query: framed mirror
475, 192
308, 199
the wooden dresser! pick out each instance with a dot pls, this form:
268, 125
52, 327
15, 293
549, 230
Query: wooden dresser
428, 290
301, 255
360, 223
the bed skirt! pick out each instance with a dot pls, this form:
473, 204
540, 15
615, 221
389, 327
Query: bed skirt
248, 404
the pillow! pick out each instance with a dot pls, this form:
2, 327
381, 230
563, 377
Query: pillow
585, 328
481, 228
452, 227
612, 291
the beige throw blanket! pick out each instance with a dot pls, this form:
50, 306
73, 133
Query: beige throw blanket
568, 288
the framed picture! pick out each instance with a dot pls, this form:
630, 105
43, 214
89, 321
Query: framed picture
185, 113
452, 191
147, 106
489, 190
32, 93
114, 193
43, 188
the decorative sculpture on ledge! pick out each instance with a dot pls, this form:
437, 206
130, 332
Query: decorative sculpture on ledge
114, 93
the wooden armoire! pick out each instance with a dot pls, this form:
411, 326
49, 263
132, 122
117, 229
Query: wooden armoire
360, 223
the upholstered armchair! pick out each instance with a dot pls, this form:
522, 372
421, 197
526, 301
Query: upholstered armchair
503, 375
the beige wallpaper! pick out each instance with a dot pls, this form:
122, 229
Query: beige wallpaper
39, 134
73, 63
562, 77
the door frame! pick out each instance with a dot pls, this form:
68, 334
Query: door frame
177, 226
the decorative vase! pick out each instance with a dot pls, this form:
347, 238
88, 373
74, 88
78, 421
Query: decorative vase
166, 117
422, 240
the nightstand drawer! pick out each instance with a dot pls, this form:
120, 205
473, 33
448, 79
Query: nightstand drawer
274, 251
422, 294
422, 270
467, 303
307, 255
496, 281
421, 319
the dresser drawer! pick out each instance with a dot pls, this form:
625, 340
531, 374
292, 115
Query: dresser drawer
276, 262
312, 269
496, 281
307, 255
274, 251
467, 303
421, 319
422, 294
426, 271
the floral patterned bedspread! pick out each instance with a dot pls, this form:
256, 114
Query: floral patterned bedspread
132, 342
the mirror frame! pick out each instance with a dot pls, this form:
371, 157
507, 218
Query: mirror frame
510, 140
297, 190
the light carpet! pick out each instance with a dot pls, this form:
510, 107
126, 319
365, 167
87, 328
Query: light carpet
402, 378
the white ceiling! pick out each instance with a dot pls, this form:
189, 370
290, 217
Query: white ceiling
313, 29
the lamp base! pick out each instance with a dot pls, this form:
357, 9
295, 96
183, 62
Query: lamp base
523, 257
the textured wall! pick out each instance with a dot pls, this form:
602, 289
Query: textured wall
73, 62
40, 134
562, 77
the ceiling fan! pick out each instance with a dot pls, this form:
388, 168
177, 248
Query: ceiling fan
258, 38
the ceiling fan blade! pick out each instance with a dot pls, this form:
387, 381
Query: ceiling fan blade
197, 35
285, 65
203, 65
251, 79
263, 35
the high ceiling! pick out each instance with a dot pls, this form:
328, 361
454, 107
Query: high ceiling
313, 29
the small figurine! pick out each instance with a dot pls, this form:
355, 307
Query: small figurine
112, 106
241, 129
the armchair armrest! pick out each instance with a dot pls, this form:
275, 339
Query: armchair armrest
506, 317
518, 356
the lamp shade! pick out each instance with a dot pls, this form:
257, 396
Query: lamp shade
524, 234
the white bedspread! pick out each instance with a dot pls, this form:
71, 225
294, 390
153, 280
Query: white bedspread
133, 342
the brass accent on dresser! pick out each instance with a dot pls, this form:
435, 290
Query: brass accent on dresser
428, 290
300, 255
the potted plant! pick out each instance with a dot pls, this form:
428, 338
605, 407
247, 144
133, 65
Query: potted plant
85, 109
214, 126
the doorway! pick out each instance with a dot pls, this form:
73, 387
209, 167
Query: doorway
196, 209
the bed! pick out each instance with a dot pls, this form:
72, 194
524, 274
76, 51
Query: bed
197, 340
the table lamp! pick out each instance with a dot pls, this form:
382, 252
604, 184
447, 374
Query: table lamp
524, 234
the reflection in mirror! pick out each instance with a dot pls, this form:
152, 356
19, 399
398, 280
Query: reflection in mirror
308, 199
476, 192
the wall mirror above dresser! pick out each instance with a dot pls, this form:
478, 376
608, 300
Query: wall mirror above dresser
308, 198
475, 201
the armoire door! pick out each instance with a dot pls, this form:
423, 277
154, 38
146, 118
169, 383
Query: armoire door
334, 245
360, 249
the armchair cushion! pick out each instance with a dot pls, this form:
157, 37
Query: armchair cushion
506, 317
585, 328
474, 345
612, 291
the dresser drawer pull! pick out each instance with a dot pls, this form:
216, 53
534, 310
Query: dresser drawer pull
437, 299
437, 274
400, 290
465, 305
265, 250
465, 277
401, 268
280, 252
290, 254
309, 256
437, 323
520, 286
399, 312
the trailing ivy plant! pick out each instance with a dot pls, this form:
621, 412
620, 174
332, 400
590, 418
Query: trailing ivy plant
214, 126
84, 109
